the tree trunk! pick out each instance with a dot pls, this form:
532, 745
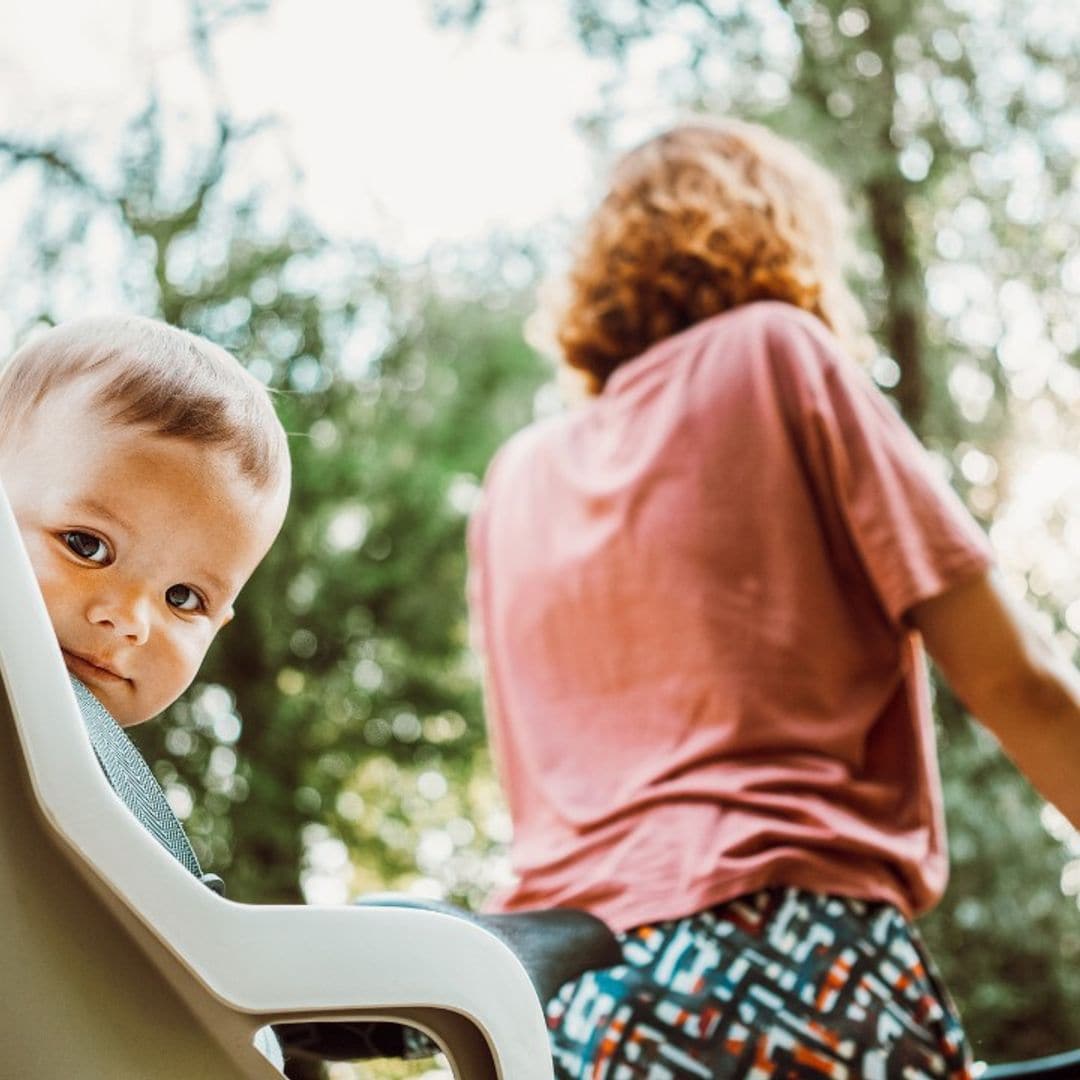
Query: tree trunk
905, 296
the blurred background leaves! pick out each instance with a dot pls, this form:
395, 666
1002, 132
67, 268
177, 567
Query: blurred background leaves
334, 743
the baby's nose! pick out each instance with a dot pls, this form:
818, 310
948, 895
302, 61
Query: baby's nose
126, 612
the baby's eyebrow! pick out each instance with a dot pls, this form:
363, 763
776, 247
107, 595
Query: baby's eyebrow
215, 582
101, 510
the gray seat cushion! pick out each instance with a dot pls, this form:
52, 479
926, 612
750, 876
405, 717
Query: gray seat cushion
131, 778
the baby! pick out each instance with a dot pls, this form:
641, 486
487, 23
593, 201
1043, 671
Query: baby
149, 475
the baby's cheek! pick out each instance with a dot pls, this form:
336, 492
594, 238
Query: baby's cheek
190, 654
61, 602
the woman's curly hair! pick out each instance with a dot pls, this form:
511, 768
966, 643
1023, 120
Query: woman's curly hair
698, 220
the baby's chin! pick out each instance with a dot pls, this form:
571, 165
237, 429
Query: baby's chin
127, 711
121, 712
130, 709
118, 696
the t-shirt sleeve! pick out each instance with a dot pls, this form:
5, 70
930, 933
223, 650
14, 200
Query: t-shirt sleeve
911, 532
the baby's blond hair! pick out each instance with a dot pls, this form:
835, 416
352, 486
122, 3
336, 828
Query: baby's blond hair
152, 375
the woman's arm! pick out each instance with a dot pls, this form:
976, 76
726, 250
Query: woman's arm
1012, 678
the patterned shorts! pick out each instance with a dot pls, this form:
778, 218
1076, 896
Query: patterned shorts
782, 983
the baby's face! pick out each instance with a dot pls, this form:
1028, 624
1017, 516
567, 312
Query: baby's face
140, 544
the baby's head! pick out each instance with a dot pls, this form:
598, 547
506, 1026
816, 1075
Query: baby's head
149, 475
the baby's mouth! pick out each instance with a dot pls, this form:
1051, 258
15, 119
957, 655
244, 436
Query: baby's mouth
91, 668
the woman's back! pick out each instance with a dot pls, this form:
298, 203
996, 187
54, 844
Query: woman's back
690, 592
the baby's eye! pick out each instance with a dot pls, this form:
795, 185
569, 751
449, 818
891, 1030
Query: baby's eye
183, 598
87, 546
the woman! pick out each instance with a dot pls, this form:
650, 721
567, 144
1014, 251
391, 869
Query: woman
702, 599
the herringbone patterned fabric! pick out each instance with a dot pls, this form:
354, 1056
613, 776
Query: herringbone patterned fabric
781, 984
131, 779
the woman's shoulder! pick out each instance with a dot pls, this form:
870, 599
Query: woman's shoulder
765, 332
776, 321
526, 442
766, 340
794, 345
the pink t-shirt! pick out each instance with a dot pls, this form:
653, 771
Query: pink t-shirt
689, 594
